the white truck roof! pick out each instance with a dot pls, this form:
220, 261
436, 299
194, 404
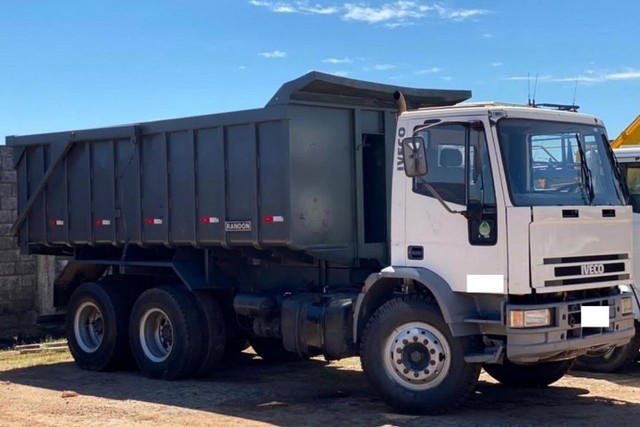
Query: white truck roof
627, 154
508, 110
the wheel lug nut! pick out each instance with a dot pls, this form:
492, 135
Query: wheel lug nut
399, 350
426, 371
425, 342
415, 339
405, 342
399, 361
416, 375
432, 351
406, 371
433, 362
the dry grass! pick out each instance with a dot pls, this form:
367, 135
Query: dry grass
11, 359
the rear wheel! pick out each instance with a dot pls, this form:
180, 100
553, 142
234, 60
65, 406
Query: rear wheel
97, 326
214, 331
410, 357
166, 333
538, 375
611, 359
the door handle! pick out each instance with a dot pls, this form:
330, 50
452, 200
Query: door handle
415, 252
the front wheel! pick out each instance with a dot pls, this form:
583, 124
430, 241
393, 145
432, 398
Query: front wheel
538, 375
410, 357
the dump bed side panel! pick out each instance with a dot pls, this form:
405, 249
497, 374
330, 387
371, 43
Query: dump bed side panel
103, 187
157, 187
127, 223
274, 178
242, 192
210, 164
324, 192
313, 179
79, 222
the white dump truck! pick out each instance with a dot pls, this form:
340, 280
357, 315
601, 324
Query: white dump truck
430, 241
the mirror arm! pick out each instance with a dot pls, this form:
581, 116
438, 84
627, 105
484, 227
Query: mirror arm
472, 215
435, 194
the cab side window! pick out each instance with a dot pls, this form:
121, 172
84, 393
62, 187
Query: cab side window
456, 151
446, 155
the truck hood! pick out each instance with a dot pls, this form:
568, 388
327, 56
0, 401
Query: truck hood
580, 247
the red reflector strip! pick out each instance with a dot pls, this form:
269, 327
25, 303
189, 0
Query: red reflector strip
55, 222
209, 220
273, 218
153, 221
100, 222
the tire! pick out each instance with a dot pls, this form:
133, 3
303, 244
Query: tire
166, 333
215, 332
396, 353
272, 351
97, 326
532, 376
611, 359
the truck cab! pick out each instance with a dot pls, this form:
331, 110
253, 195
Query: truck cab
512, 220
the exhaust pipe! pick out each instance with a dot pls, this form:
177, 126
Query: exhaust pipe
400, 102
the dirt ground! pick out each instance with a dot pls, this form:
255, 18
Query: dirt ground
249, 392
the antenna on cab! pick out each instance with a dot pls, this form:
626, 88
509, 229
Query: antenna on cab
531, 102
535, 89
575, 91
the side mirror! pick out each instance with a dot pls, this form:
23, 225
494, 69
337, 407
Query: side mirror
414, 156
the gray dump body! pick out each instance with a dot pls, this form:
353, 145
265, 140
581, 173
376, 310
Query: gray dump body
308, 172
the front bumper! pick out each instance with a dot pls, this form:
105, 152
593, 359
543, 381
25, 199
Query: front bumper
567, 338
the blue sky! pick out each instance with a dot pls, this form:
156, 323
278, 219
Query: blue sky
72, 64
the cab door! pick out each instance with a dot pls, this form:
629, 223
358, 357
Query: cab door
453, 225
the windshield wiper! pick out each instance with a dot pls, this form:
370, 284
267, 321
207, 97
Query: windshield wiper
586, 172
617, 172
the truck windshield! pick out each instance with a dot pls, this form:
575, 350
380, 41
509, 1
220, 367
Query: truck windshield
554, 163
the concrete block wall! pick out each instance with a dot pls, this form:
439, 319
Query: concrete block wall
25, 281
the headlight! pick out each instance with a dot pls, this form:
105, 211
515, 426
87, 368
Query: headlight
530, 318
626, 305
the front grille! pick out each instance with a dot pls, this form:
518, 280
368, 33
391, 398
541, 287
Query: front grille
586, 258
577, 270
574, 318
587, 269
592, 279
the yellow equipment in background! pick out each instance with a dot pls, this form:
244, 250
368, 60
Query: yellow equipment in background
629, 136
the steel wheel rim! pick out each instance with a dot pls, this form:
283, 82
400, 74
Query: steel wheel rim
156, 335
88, 327
417, 356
